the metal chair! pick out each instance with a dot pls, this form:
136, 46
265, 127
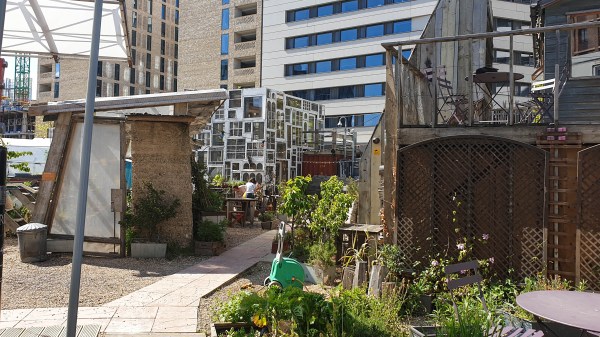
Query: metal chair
463, 274
456, 102
541, 105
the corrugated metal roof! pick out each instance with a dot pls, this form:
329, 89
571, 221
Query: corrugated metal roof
209, 97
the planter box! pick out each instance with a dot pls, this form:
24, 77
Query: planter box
286, 246
266, 224
215, 217
423, 331
148, 250
220, 328
557, 329
427, 303
213, 248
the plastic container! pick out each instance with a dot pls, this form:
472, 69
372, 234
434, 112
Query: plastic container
32, 242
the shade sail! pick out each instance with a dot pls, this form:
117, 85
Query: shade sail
63, 28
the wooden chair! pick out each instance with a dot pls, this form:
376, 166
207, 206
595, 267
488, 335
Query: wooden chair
465, 273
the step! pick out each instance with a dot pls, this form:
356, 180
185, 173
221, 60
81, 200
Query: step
560, 234
559, 259
559, 203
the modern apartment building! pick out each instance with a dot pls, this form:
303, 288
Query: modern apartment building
221, 44
260, 133
153, 28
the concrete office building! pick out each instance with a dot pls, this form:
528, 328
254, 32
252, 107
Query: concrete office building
153, 36
221, 44
330, 51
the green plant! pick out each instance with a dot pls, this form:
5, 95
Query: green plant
266, 216
322, 254
150, 209
473, 319
393, 259
353, 254
239, 333
295, 202
129, 236
218, 180
203, 198
241, 307
209, 231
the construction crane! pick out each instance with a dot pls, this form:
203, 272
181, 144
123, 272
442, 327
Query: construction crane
22, 79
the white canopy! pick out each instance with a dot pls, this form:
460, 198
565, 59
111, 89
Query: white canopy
63, 28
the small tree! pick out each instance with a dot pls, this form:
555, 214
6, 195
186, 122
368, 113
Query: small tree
295, 202
330, 214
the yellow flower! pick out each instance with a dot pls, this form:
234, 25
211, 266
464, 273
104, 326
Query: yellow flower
259, 321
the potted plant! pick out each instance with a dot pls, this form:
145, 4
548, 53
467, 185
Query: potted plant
355, 261
210, 238
266, 220
148, 211
322, 259
287, 240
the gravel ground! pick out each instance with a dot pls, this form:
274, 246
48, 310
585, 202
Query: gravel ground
46, 284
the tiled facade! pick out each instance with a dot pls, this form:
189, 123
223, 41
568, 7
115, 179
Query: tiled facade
153, 32
221, 45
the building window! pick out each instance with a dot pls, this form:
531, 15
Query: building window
374, 90
149, 6
116, 90
252, 107
325, 10
224, 70
98, 88
132, 75
57, 70
131, 91
99, 72
162, 64
403, 26
596, 70
374, 60
349, 34
149, 25
56, 89
300, 69
235, 129
117, 72
502, 56
225, 19
374, 30
225, 2
323, 67
375, 3
162, 47
148, 61
163, 29
367, 119
162, 82
348, 63
133, 56
135, 4
349, 6
224, 44
163, 12
176, 17
175, 84
176, 33
585, 40
149, 42
133, 38
147, 79
134, 19
324, 38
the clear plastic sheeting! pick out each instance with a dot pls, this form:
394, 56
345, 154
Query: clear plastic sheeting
104, 176
62, 27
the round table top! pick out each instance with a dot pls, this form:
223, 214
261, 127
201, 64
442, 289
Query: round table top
573, 308
495, 77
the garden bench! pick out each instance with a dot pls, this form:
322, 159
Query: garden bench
464, 274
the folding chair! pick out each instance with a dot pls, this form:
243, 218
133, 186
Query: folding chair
446, 95
463, 274
541, 105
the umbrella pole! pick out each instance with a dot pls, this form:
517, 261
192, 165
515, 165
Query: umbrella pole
84, 173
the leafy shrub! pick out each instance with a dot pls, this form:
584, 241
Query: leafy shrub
150, 209
241, 307
209, 231
322, 254
266, 216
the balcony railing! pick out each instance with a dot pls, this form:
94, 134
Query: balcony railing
240, 46
244, 72
244, 20
458, 88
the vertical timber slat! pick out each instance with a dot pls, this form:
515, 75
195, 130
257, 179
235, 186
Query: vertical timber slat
52, 168
391, 135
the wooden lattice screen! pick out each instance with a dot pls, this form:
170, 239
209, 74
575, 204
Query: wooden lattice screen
588, 249
455, 187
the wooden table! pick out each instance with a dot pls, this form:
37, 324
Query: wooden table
240, 208
499, 77
573, 308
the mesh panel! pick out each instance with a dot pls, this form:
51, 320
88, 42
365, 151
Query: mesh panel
589, 225
464, 187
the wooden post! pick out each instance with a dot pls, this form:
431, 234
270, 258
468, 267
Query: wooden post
123, 186
470, 84
511, 117
391, 146
52, 169
557, 77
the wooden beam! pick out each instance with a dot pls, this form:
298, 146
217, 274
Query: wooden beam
522, 133
163, 119
23, 199
123, 185
53, 166
94, 239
